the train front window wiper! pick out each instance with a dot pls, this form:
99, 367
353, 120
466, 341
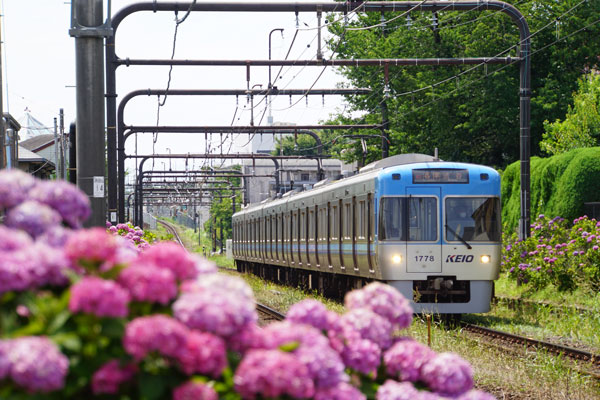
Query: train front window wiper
459, 237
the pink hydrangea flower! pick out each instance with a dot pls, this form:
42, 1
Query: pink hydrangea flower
448, 374
286, 333
99, 297
405, 359
149, 283
194, 391
93, 248
171, 256
71, 203
32, 217
36, 364
370, 326
383, 300
215, 311
110, 376
342, 391
272, 373
155, 333
204, 354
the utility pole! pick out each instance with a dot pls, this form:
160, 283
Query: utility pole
89, 31
56, 161
2, 124
63, 144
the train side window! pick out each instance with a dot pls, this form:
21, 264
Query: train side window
348, 217
361, 220
391, 218
334, 223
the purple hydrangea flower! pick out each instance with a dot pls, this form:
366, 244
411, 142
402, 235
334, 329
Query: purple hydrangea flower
32, 217
215, 311
155, 333
370, 326
286, 334
204, 354
362, 355
12, 239
248, 338
324, 365
99, 297
194, 391
383, 300
36, 364
56, 236
149, 283
48, 265
272, 373
342, 391
14, 187
476, 395
171, 256
405, 359
71, 203
448, 374
110, 376
4, 360
32, 267
310, 312
220, 282
392, 390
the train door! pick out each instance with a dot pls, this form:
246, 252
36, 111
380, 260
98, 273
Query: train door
422, 231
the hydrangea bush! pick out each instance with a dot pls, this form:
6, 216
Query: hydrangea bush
559, 252
101, 313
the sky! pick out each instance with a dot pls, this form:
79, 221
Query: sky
38, 61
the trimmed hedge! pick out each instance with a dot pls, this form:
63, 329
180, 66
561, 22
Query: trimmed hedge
560, 185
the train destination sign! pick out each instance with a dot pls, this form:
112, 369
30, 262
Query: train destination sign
440, 175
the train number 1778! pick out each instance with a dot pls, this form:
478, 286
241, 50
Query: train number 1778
424, 258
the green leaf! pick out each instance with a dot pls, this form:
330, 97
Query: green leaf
289, 347
67, 340
59, 321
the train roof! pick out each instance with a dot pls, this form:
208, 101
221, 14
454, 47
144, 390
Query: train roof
399, 159
367, 171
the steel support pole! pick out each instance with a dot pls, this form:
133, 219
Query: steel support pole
90, 109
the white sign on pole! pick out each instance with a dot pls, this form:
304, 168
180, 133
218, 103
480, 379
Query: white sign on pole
98, 186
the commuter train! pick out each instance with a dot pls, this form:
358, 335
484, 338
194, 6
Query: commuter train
429, 228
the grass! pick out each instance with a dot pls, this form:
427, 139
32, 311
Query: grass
552, 322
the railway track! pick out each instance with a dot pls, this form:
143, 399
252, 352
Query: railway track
269, 313
172, 230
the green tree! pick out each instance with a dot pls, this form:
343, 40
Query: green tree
471, 113
581, 127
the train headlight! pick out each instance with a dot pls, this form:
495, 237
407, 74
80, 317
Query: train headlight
396, 258
485, 259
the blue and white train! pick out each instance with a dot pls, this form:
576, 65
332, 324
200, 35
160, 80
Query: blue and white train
429, 228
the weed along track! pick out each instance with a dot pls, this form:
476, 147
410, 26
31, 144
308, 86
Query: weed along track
515, 303
172, 230
588, 363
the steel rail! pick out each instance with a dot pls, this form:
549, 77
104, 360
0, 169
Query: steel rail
538, 344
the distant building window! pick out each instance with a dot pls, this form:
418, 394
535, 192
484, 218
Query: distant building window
305, 177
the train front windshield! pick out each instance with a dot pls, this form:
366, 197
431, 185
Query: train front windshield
472, 219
